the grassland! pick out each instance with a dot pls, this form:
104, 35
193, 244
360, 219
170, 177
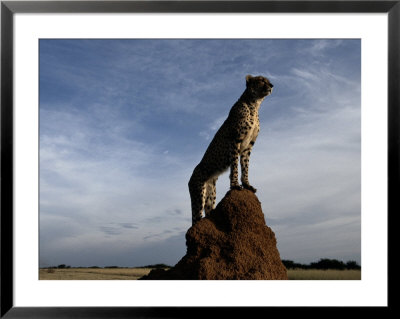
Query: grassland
135, 273
93, 273
318, 274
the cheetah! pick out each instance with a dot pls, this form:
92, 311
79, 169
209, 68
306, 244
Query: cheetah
234, 139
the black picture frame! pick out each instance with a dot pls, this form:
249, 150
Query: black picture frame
9, 8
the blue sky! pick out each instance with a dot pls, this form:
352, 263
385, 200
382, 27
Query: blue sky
123, 123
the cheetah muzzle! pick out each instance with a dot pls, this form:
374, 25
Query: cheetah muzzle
234, 140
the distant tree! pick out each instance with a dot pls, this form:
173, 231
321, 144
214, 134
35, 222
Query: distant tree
160, 266
63, 266
321, 264
351, 264
290, 264
156, 266
328, 264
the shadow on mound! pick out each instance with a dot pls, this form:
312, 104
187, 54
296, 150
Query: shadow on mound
232, 243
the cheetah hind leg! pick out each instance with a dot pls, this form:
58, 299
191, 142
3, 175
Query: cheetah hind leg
210, 195
197, 196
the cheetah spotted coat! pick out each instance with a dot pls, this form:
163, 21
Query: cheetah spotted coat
233, 140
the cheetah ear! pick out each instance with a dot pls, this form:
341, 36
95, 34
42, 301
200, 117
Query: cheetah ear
248, 79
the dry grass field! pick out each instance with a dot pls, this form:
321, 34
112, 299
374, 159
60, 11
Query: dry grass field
93, 273
135, 273
317, 274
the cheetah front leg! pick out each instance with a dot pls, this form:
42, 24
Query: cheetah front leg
244, 164
234, 167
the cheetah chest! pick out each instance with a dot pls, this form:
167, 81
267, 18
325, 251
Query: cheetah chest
250, 136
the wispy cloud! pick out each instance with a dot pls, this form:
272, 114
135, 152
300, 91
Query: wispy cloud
212, 128
311, 159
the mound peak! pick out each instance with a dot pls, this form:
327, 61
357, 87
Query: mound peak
234, 242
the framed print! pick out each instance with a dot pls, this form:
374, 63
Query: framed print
107, 108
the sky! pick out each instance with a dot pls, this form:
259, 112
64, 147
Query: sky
124, 122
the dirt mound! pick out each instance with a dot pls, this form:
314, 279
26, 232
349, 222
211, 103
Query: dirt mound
232, 243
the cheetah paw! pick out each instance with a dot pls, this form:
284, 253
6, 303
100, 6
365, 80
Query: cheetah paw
236, 187
250, 188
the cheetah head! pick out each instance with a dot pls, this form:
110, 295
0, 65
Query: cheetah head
259, 86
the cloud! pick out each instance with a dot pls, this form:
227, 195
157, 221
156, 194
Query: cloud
319, 47
110, 230
128, 225
311, 163
117, 228
101, 185
169, 250
212, 128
